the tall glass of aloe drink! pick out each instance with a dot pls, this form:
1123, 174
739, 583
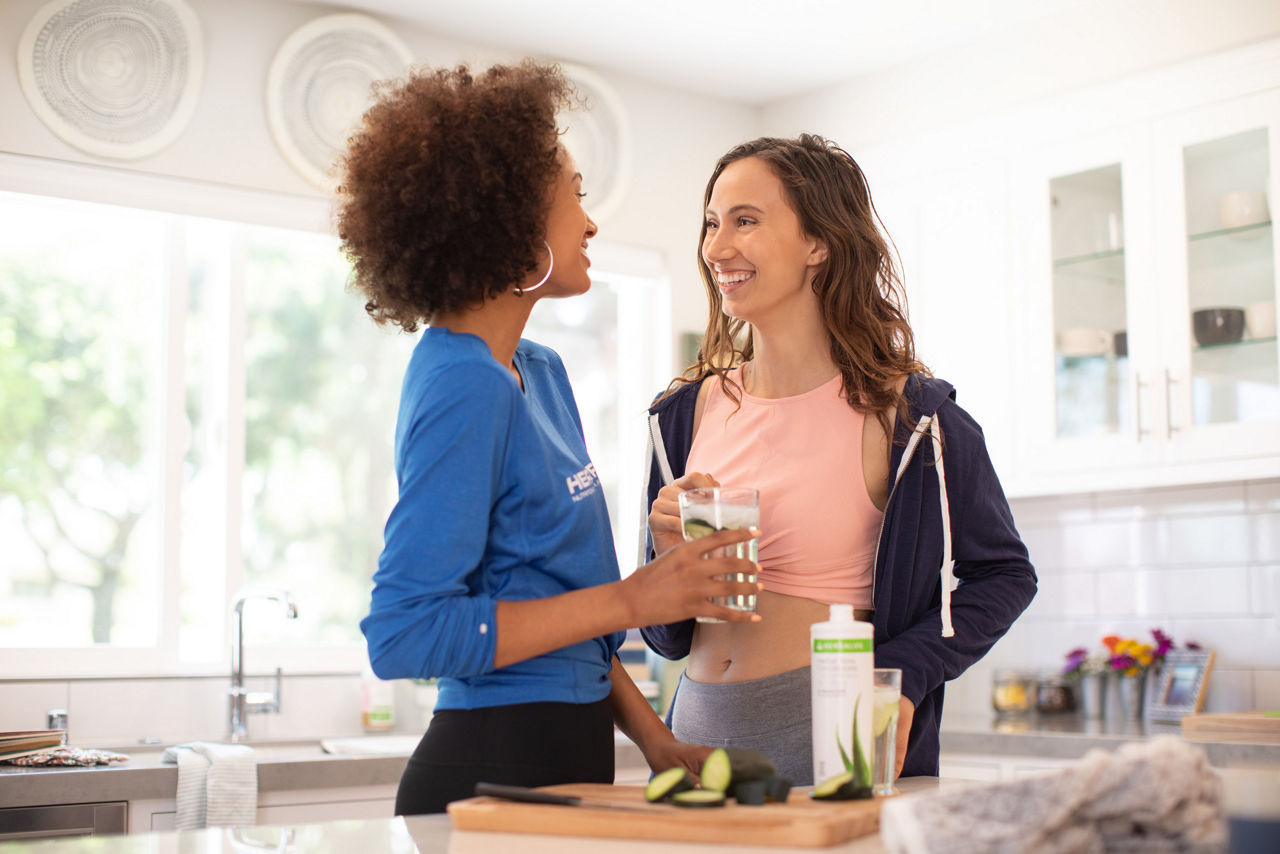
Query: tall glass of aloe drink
720, 508
884, 728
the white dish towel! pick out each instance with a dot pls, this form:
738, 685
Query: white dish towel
217, 784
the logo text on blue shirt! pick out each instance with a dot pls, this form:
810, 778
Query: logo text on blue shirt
583, 483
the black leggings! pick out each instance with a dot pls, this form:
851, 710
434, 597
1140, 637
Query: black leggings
526, 744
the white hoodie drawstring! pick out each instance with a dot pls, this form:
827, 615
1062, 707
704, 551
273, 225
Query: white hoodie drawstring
948, 565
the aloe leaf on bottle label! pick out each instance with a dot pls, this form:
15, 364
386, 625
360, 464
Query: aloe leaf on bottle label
861, 763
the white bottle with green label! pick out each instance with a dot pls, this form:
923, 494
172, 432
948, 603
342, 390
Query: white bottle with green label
843, 694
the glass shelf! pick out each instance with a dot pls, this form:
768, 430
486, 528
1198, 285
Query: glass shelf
1107, 266
1255, 230
1244, 344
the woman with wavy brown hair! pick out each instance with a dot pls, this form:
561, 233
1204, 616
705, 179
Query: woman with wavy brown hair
460, 209
876, 489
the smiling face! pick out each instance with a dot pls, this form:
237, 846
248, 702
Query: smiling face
760, 259
568, 230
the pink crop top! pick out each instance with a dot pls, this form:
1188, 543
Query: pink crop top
804, 454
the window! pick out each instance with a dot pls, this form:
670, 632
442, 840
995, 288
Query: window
194, 404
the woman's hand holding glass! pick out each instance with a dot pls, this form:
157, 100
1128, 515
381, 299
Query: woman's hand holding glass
664, 515
681, 582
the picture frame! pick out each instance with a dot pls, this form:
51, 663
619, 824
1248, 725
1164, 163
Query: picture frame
1184, 681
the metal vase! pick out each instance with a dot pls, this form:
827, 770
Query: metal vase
1093, 695
1130, 690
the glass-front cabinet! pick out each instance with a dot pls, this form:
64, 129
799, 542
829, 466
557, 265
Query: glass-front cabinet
1223, 381
1146, 289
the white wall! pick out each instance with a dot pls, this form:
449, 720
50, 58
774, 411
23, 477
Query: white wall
676, 136
936, 139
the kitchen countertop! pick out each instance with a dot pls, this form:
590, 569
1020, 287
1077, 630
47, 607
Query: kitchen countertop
285, 766
282, 766
1071, 736
425, 834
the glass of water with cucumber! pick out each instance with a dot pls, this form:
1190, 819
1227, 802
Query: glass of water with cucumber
721, 508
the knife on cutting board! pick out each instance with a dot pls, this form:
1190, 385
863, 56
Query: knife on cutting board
536, 796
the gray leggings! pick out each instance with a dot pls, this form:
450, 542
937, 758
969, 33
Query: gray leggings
772, 715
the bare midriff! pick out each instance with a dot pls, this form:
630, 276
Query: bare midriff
737, 652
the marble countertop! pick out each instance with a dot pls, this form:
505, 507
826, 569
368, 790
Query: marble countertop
425, 834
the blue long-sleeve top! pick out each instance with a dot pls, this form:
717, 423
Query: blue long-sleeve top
498, 499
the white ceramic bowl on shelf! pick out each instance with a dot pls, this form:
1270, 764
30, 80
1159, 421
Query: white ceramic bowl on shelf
1242, 207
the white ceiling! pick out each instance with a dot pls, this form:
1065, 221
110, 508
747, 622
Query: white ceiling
748, 51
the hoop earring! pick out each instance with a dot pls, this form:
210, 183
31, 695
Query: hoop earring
552, 266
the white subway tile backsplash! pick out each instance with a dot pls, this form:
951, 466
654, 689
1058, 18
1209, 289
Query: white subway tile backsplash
1123, 592
1222, 590
1266, 690
1205, 539
25, 705
1176, 501
1262, 495
1266, 536
1099, 544
1044, 547
1052, 511
1229, 690
1064, 594
1264, 591
1241, 643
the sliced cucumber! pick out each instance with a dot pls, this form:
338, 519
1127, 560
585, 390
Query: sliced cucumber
698, 798
777, 789
717, 771
748, 764
668, 783
695, 528
841, 787
749, 792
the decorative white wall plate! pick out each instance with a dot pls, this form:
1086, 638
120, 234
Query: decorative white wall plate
599, 137
114, 78
320, 83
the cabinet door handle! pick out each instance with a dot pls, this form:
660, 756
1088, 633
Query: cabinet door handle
1169, 382
1138, 385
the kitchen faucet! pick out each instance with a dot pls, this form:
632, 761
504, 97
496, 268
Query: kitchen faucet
245, 703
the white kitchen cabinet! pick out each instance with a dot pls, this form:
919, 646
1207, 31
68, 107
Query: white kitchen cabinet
297, 806
1118, 240
994, 769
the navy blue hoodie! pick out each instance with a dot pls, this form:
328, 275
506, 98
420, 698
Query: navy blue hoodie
993, 575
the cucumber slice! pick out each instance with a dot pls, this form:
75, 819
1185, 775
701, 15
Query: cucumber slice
749, 792
777, 789
841, 787
668, 783
748, 764
695, 528
717, 771
698, 798
826, 790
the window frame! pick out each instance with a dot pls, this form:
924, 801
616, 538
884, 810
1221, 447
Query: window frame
628, 266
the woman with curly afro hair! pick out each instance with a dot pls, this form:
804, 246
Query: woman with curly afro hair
460, 209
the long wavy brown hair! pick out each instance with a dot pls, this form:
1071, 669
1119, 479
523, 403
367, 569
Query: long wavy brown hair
859, 288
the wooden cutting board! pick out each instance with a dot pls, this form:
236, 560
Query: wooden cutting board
801, 822
1233, 726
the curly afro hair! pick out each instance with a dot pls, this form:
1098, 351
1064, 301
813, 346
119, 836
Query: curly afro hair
446, 188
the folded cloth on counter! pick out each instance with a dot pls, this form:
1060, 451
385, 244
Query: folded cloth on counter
78, 756
1158, 795
217, 784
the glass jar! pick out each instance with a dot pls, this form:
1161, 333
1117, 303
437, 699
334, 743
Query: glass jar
1012, 692
1054, 695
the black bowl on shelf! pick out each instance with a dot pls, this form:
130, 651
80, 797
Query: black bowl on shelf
1217, 325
